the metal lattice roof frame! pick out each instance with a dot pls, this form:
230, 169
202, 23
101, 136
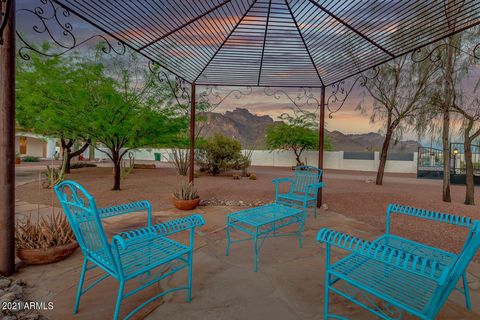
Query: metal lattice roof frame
281, 43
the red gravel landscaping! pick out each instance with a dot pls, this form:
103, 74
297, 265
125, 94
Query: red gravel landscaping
349, 193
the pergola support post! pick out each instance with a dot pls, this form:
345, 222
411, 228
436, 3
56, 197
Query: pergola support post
321, 138
191, 160
7, 145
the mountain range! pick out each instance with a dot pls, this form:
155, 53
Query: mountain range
250, 130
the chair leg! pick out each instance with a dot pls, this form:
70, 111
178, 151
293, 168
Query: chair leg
190, 269
466, 291
326, 300
255, 251
119, 300
227, 230
80, 285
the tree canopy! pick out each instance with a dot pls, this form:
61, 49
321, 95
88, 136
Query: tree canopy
295, 133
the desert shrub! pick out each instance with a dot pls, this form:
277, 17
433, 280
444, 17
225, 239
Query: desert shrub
219, 153
78, 165
252, 176
180, 160
186, 191
44, 232
30, 159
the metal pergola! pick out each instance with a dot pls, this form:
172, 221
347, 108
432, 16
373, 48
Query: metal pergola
269, 43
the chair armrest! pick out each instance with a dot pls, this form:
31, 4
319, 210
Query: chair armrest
127, 208
426, 267
281, 180
316, 186
161, 229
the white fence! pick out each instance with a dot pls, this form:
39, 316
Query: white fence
332, 160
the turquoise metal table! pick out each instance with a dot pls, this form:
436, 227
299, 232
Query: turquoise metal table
264, 222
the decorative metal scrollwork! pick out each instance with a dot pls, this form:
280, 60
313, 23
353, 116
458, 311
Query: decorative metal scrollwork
435, 57
339, 93
48, 20
304, 99
5, 6
179, 87
214, 97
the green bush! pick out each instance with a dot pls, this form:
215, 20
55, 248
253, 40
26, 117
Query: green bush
30, 159
78, 165
220, 153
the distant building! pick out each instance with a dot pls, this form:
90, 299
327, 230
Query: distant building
30, 144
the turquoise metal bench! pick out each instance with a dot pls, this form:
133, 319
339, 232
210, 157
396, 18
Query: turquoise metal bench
146, 254
408, 276
303, 188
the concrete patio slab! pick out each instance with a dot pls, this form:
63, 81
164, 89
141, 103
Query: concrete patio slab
289, 284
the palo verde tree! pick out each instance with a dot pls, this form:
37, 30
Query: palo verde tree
399, 93
128, 110
295, 133
48, 100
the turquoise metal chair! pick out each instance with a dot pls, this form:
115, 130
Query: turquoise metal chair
303, 189
408, 276
146, 254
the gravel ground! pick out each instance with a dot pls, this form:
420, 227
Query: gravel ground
350, 193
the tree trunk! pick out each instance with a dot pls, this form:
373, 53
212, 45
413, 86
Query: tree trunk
470, 186
116, 169
91, 151
446, 157
297, 156
383, 156
66, 149
449, 87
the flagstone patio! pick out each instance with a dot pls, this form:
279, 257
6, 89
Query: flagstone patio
289, 284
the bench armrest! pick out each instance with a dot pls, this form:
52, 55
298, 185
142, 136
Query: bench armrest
161, 229
316, 186
113, 211
429, 268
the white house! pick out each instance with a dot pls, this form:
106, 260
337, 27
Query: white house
30, 144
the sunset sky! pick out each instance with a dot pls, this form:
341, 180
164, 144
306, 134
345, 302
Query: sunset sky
192, 49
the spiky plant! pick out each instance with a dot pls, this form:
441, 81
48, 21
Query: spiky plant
186, 191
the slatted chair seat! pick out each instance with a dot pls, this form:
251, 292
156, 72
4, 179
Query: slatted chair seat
407, 276
303, 190
398, 286
296, 197
145, 253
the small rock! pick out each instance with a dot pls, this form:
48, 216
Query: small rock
31, 316
20, 282
8, 297
369, 180
4, 283
17, 290
241, 203
325, 206
9, 318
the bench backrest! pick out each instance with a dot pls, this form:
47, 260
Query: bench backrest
304, 176
82, 214
470, 248
459, 221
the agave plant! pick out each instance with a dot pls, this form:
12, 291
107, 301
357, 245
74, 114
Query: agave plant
186, 191
44, 232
